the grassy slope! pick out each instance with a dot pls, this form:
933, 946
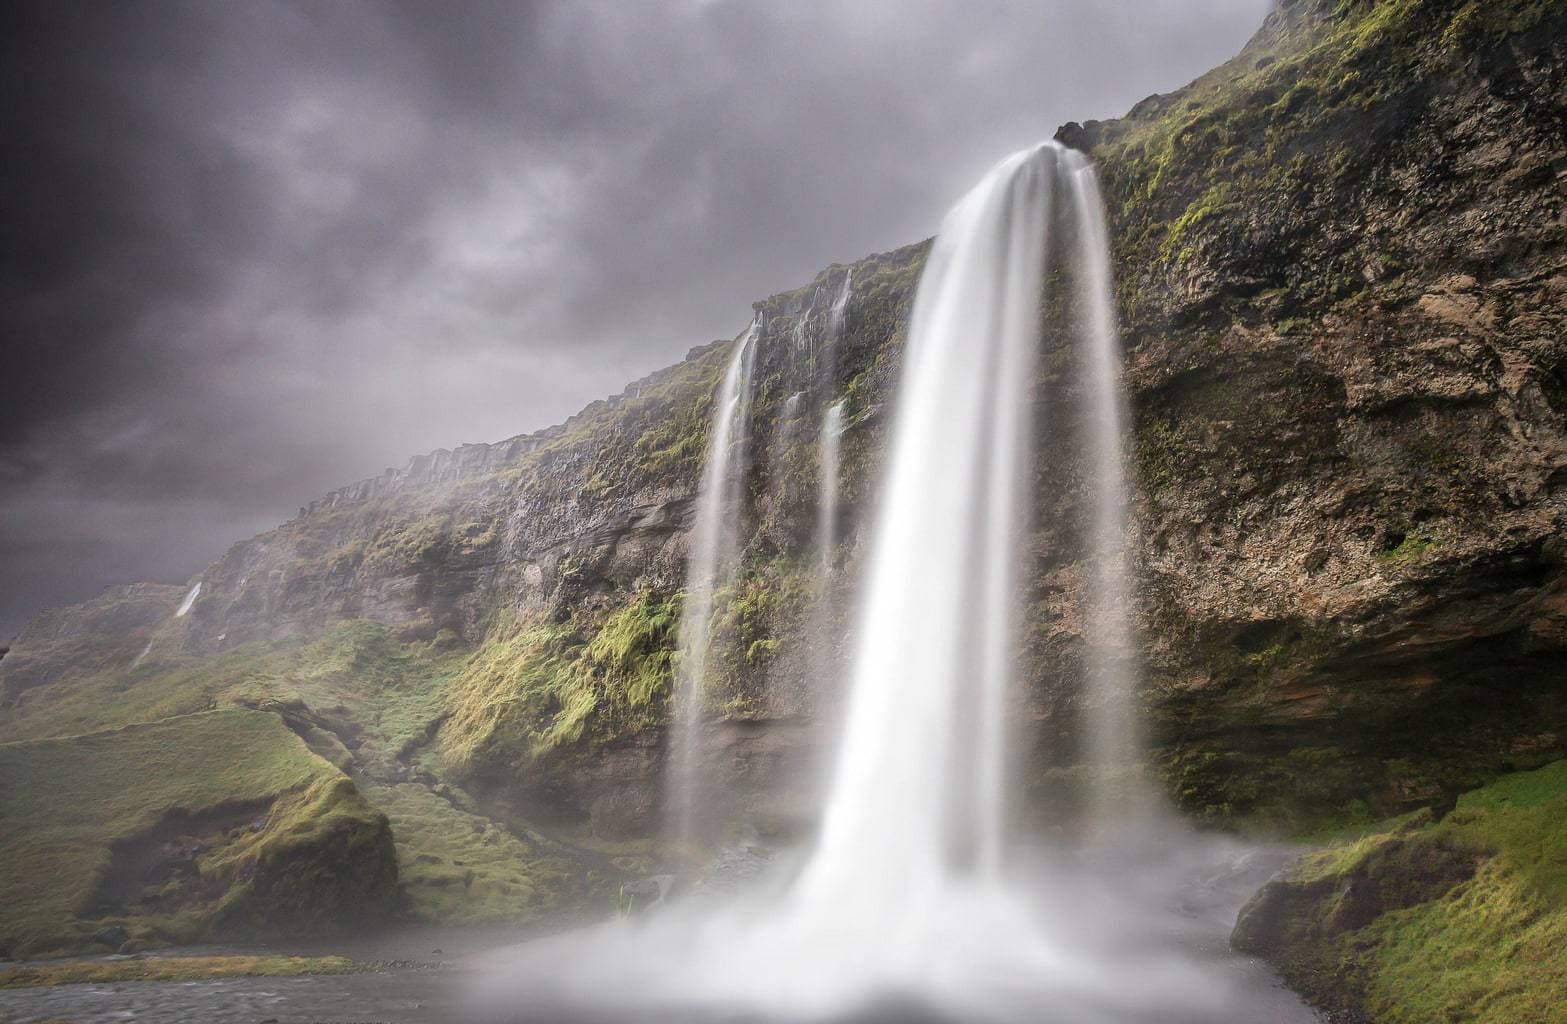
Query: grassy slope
1462, 919
64, 801
356, 683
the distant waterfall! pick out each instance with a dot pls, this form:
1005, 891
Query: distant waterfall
713, 554
832, 427
827, 364
189, 602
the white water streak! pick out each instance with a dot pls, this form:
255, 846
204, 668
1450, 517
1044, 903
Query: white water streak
1113, 736
914, 765
831, 442
711, 562
190, 600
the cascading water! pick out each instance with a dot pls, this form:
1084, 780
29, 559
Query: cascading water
829, 444
915, 778
905, 908
1112, 741
189, 602
825, 618
713, 553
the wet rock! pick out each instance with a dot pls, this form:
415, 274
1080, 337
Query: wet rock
114, 936
649, 891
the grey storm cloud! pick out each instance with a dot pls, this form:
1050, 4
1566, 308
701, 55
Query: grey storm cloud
257, 250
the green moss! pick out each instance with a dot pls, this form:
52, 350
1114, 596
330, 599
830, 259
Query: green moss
68, 802
1206, 206
752, 617
458, 867
476, 536
401, 545
1462, 919
173, 968
1481, 21
1281, 127
633, 651
1409, 547
1493, 951
534, 687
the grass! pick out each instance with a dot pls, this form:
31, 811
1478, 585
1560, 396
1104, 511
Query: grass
356, 682
357, 668
65, 802
1494, 949
460, 868
1298, 118
173, 968
1487, 947
537, 686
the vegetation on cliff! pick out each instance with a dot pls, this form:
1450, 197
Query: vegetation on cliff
356, 701
535, 686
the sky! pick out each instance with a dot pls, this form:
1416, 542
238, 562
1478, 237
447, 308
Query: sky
254, 251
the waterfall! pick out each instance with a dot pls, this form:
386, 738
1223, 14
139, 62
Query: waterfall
824, 619
189, 602
1112, 740
916, 773
909, 905
714, 550
827, 493
831, 431
827, 364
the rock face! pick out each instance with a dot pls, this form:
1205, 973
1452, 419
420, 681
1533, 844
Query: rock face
109, 630
1342, 285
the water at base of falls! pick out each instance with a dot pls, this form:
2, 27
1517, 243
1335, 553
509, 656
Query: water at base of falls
914, 902
1132, 932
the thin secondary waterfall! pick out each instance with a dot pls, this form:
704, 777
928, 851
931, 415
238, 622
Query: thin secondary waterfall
1113, 736
827, 365
713, 553
830, 437
829, 445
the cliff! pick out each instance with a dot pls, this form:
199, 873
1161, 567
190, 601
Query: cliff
1342, 287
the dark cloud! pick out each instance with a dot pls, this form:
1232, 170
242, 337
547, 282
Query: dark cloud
253, 251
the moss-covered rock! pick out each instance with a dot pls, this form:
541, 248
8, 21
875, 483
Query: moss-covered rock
216, 824
1462, 918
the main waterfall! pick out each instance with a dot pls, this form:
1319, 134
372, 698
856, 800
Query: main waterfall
910, 904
